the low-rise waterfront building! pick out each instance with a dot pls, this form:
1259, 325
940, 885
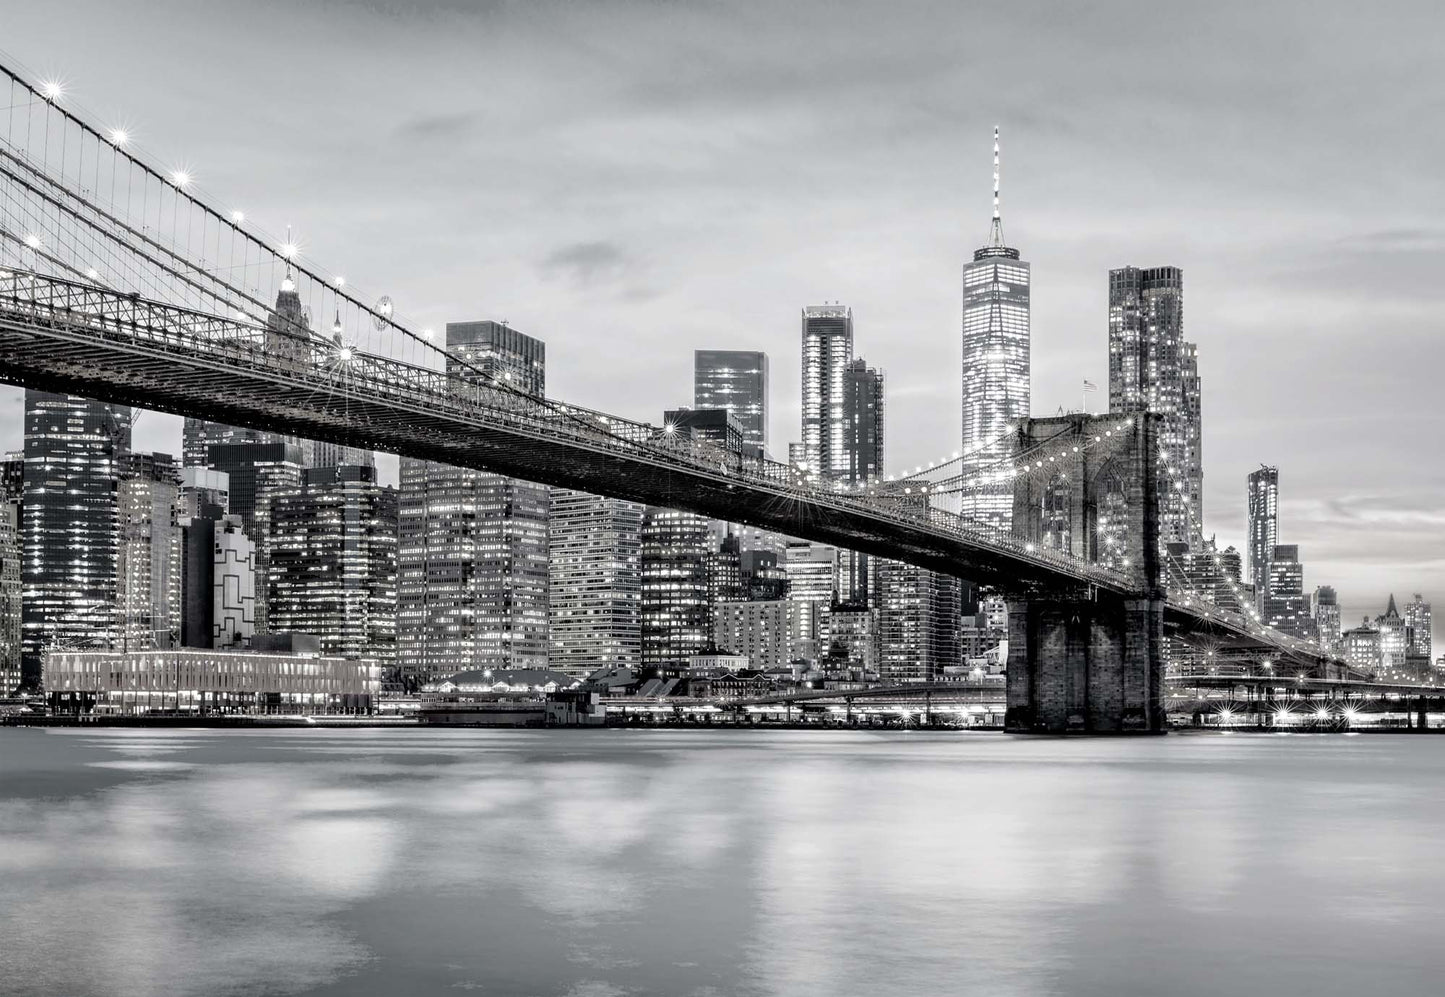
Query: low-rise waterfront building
207, 682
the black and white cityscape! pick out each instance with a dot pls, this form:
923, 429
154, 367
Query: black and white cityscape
711, 498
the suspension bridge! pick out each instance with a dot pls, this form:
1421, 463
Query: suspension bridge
120, 279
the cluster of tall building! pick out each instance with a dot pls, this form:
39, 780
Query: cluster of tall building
1393, 645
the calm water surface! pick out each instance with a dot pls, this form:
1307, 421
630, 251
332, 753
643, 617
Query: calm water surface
674, 863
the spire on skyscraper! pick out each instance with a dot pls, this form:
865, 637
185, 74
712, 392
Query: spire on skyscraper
996, 234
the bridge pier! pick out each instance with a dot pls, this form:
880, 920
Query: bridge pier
1085, 666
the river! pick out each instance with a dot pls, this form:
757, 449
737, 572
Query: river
620, 862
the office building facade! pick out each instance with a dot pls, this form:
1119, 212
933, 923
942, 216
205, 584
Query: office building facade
473, 585
735, 380
1153, 368
149, 573
1262, 505
827, 352
677, 612
75, 450
595, 583
333, 562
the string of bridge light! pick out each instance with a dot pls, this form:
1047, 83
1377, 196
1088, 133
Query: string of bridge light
1038, 459
183, 179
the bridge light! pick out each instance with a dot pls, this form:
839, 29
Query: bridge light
345, 354
181, 178
339, 281
289, 250
669, 429
52, 90
92, 274
237, 217
32, 240
1029, 548
119, 137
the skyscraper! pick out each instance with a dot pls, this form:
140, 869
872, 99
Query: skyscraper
256, 474
333, 562
10, 547
74, 451
1152, 368
1419, 622
1285, 606
827, 352
736, 380
498, 354
863, 449
149, 593
1325, 608
1394, 641
812, 570
1263, 506
863, 422
472, 555
595, 583
473, 571
918, 622
677, 615
996, 365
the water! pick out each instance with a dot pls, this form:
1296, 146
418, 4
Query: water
146, 862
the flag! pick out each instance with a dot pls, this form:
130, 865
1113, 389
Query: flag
1090, 385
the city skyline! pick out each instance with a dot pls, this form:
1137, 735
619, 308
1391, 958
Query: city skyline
1336, 462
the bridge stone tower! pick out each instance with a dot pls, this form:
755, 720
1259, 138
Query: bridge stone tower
1088, 658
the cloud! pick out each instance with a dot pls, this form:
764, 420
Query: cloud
586, 263
437, 126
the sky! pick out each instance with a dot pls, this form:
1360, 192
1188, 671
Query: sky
629, 181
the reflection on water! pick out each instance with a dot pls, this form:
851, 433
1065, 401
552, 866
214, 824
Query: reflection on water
673, 863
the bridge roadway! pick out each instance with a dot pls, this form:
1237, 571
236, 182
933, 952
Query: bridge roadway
64, 335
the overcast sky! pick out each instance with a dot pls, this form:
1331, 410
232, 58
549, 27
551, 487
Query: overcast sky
630, 181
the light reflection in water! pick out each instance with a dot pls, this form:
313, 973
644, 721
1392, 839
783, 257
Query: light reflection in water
599, 863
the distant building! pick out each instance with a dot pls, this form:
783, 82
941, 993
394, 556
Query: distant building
149, 592
1394, 641
333, 562
1419, 624
10, 549
735, 380
595, 583
812, 570
827, 352
256, 474
207, 682
74, 454
494, 353
474, 574
1361, 647
473, 548
218, 582
764, 575
1153, 368
918, 622
1285, 606
204, 490
677, 617
996, 364
715, 425
1325, 608
852, 637
760, 631
1263, 511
